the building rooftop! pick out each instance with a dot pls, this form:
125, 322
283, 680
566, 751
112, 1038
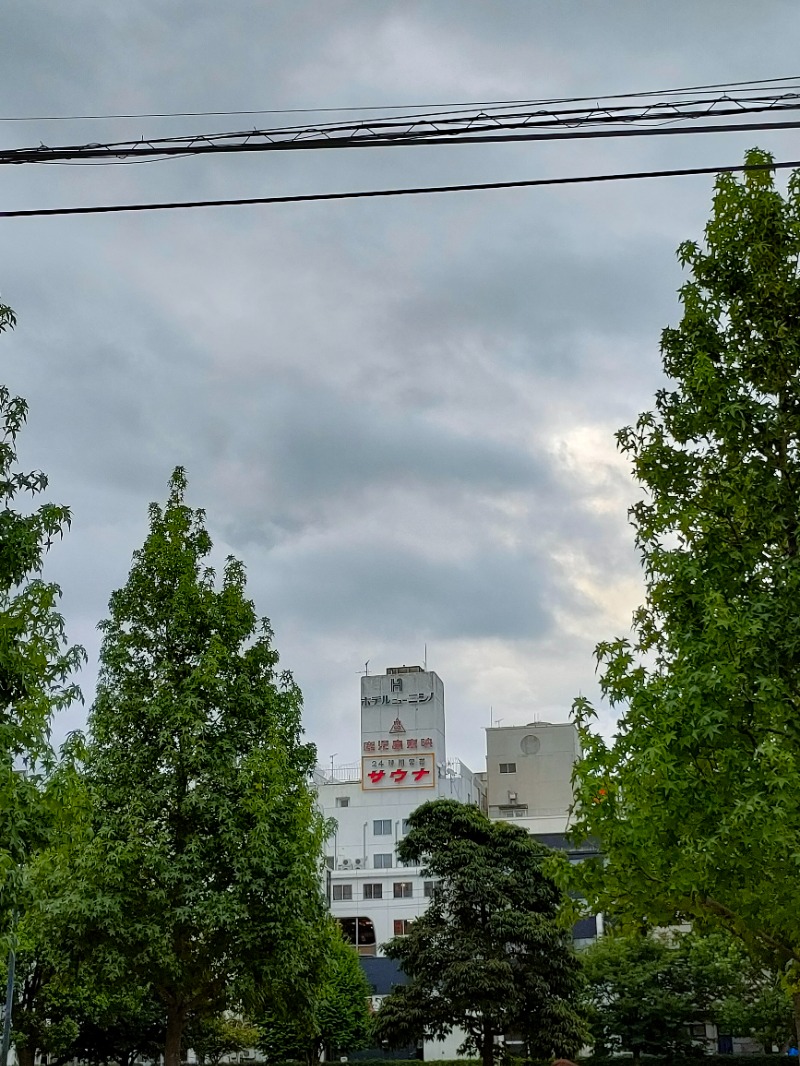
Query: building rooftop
525, 725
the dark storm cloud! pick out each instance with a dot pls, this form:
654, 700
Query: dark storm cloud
524, 286
115, 392
319, 451
491, 593
399, 413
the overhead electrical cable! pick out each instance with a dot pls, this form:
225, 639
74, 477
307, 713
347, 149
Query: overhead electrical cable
109, 155
559, 112
751, 85
414, 191
542, 117
475, 128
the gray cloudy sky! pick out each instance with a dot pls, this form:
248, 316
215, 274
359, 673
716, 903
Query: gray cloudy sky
398, 413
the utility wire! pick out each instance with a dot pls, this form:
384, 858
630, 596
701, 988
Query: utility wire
752, 85
544, 113
373, 193
540, 114
475, 129
532, 114
152, 153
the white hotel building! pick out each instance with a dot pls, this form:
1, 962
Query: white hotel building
404, 762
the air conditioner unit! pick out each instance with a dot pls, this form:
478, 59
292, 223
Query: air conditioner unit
345, 864
358, 863
512, 797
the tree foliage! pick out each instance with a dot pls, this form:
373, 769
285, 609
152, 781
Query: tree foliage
36, 664
697, 800
64, 1006
644, 991
63, 1012
335, 1017
214, 1038
745, 997
489, 955
201, 876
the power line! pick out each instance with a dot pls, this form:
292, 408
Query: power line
481, 128
753, 84
154, 153
373, 193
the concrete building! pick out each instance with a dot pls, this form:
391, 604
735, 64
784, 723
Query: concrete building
529, 774
403, 763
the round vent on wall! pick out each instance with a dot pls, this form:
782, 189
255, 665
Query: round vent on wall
530, 744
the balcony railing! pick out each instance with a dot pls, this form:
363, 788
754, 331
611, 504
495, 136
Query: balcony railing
330, 775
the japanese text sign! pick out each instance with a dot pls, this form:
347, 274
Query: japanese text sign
396, 744
404, 771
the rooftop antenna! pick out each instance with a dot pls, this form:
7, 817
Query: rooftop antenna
425, 658
332, 758
365, 671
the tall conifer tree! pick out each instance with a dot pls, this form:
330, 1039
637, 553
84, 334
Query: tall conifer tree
489, 956
203, 876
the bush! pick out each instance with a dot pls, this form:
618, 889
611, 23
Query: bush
684, 1060
411, 1062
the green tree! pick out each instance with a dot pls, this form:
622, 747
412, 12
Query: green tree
115, 1024
41, 1024
637, 998
697, 799
36, 665
64, 1006
202, 875
744, 997
66, 1010
215, 1037
489, 956
336, 1017
643, 992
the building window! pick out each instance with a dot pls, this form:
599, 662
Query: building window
342, 892
402, 926
403, 889
508, 767
361, 932
382, 827
406, 826
373, 891
382, 861
342, 801
427, 889
330, 862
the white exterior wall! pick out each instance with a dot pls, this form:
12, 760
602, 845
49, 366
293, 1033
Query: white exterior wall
354, 845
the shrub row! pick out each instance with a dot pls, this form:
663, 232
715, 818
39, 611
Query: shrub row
687, 1060
622, 1060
